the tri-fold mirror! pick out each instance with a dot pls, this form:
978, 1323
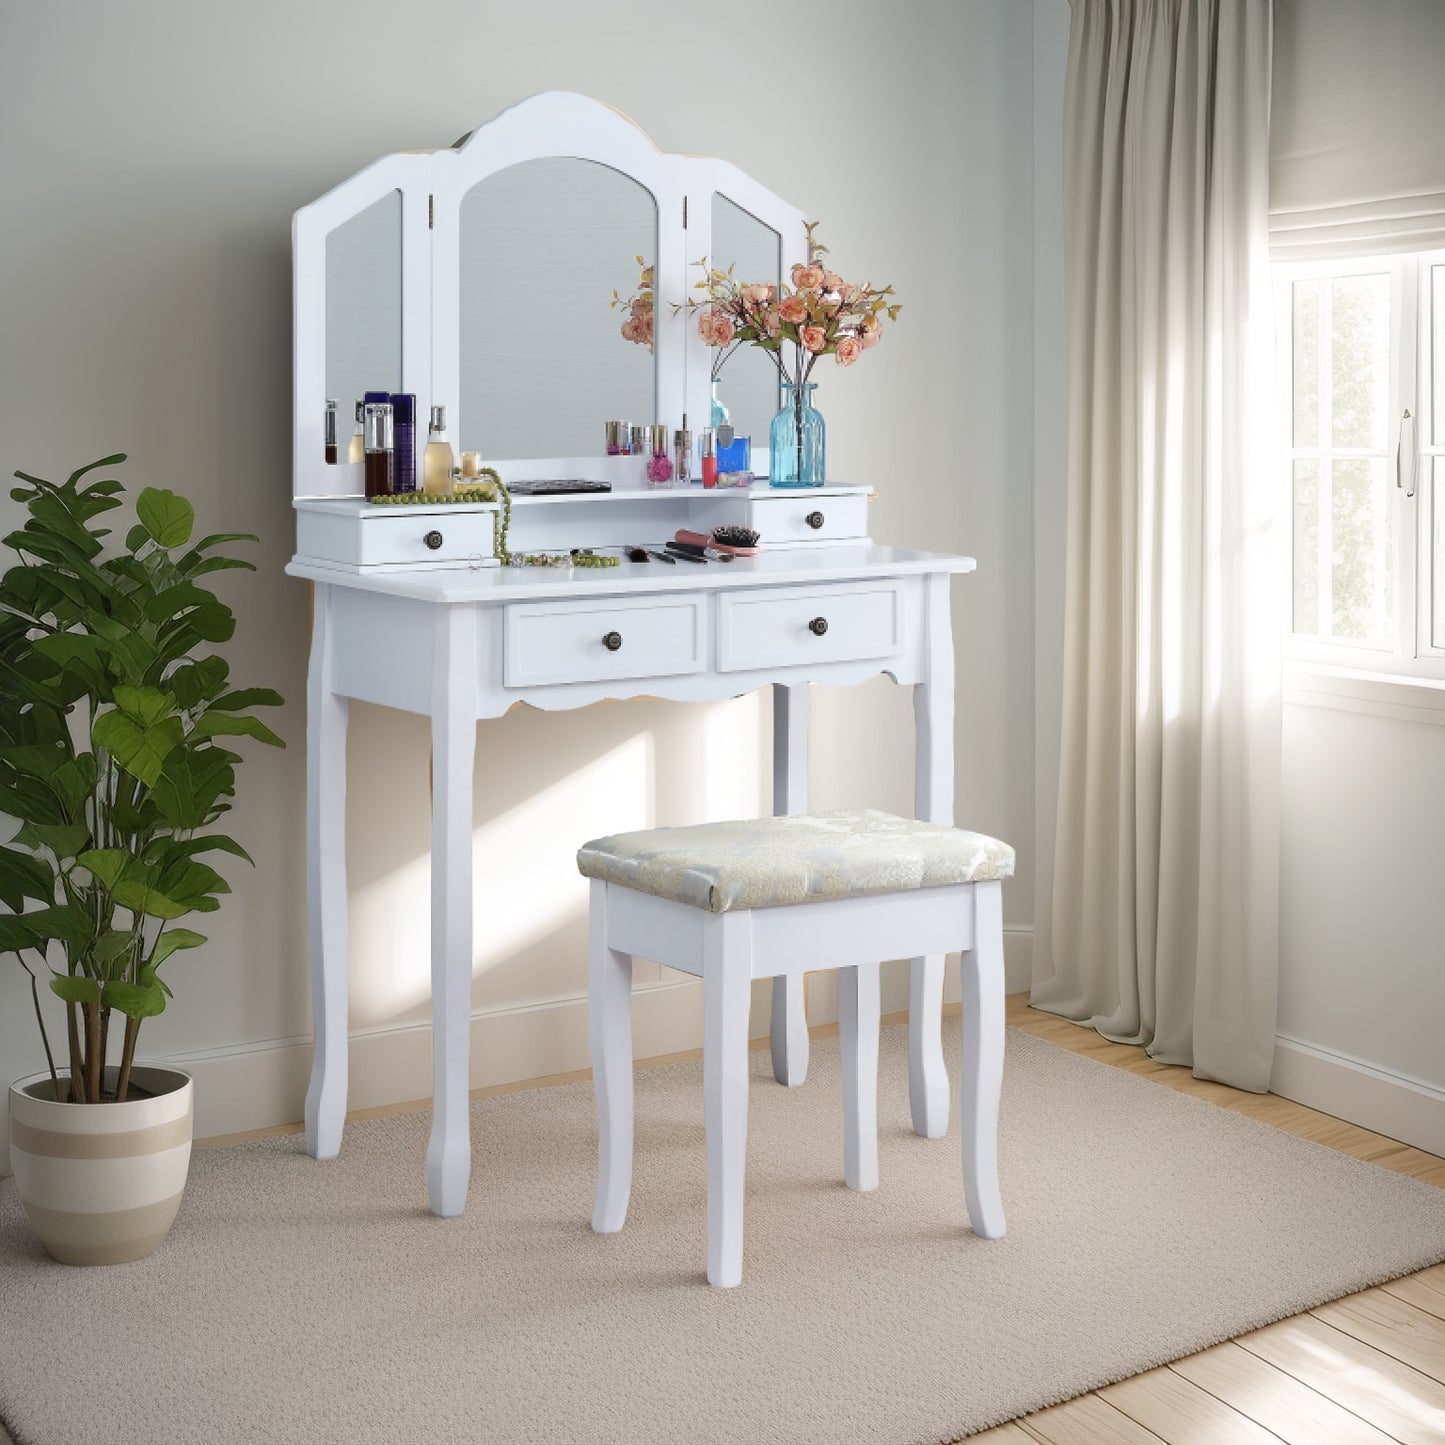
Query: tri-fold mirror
494, 279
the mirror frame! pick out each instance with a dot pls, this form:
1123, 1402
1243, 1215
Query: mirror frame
432, 184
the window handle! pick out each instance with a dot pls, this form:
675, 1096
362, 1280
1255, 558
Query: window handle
1407, 420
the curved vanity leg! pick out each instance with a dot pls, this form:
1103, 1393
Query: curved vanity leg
326, 718
982, 1062
454, 740
789, 1032
933, 803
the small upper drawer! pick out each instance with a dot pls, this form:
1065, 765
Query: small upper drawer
794, 626
395, 536
554, 642
800, 518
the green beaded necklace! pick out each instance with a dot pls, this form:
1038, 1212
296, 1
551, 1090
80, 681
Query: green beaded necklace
494, 489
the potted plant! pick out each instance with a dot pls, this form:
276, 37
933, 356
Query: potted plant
115, 719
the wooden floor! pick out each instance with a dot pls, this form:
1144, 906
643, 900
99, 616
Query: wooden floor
1364, 1370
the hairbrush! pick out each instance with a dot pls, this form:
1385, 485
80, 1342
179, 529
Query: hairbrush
742, 541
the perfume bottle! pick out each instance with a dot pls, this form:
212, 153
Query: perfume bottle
682, 454
356, 451
709, 458
659, 468
378, 437
437, 461
403, 422
734, 453
330, 431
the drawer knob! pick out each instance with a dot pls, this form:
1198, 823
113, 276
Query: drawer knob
433, 540
818, 626
612, 641
814, 520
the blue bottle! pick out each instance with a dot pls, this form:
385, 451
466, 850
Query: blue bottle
403, 408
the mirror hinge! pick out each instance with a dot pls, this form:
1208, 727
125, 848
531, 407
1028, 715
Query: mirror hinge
684, 213
431, 202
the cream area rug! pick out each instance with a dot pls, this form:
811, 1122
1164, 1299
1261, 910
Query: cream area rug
299, 1301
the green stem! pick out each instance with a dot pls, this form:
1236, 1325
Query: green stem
44, 1037
77, 1059
122, 1083
94, 1063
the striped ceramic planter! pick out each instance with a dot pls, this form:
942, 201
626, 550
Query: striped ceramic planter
101, 1183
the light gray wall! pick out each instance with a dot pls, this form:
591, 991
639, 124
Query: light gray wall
152, 157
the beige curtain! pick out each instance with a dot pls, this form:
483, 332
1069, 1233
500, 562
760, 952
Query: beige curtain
1165, 889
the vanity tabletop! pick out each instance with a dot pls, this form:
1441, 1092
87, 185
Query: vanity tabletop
799, 566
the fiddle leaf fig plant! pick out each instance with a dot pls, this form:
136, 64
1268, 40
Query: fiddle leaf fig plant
114, 721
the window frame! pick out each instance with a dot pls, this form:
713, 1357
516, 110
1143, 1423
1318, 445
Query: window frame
1412, 653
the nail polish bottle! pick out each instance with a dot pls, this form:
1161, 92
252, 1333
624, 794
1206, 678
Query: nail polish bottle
613, 432
659, 468
682, 455
330, 431
403, 421
709, 458
356, 451
378, 435
624, 439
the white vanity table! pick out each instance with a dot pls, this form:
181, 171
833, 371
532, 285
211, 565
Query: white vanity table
412, 610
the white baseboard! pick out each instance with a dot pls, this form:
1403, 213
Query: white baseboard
1362, 1093
240, 1087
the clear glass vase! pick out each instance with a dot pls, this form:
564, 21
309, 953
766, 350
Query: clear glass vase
721, 416
796, 440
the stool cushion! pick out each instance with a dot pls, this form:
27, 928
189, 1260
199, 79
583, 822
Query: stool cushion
770, 862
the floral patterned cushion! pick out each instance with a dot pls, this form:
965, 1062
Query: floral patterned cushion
769, 862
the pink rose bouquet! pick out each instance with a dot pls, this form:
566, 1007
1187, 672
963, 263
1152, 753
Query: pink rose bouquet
637, 324
820, 314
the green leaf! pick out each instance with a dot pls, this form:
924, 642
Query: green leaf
141, 898
74, 780
67, 922
192, 682
191, 784
109, 865
167, 851
65, 840
221, 724
114, 943
244, 697
16, 934
75, 988
172, 941
141, 751
22, 876
110, 461
146, 705
134, 1000
167, 517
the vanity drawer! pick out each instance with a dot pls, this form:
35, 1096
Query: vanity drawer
794, 626
800, 518
395, 536
546, 643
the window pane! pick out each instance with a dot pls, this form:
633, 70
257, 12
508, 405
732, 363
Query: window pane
1361, 597
1306, 363
1307, 547
1360, 359
1437, 354
1437, 552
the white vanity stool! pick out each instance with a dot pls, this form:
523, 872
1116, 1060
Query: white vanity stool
731, 902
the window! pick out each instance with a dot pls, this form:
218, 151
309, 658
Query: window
1362, 362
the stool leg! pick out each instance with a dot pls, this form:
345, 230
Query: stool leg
726, 985
982, 1064
609, 1030
858, 1044
927, 1073
789, 1032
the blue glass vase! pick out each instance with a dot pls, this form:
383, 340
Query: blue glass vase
796, 440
